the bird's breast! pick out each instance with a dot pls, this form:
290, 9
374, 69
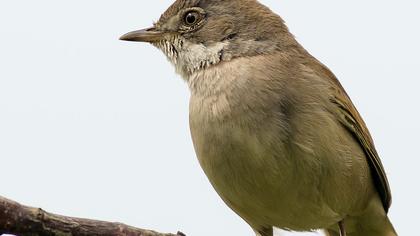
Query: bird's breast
244, 158
248, 162
241, 137
237, 136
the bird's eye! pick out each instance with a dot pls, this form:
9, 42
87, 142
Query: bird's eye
191, 18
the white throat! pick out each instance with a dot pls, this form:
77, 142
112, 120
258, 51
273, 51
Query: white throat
188, 57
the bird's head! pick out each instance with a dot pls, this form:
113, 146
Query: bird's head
196, 34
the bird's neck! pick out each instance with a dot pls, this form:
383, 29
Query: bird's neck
215, 90
216, 79
191, 58
231, 88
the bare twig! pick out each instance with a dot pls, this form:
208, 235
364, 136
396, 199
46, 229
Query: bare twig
29, 221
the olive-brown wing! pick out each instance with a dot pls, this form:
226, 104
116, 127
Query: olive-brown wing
352, 121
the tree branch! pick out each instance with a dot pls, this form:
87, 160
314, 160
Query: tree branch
29, 221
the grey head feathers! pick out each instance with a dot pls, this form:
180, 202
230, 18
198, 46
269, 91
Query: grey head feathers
220, 30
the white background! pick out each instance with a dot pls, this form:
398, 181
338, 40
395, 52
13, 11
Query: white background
95, 127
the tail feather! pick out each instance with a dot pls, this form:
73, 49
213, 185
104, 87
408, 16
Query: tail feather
372, 221
366, 227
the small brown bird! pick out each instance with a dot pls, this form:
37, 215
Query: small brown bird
274, 131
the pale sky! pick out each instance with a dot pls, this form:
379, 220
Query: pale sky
94, 127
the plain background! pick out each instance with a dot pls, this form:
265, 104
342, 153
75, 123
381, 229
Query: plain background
95, 127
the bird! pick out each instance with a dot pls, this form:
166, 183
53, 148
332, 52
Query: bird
273, 129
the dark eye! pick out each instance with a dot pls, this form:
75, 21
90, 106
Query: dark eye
191, 18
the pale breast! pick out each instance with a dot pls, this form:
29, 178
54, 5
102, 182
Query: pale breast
265, 164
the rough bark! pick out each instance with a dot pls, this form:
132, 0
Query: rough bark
29, 221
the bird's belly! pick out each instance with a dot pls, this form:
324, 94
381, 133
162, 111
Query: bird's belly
255, 175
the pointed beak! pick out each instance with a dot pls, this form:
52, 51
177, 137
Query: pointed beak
148, 35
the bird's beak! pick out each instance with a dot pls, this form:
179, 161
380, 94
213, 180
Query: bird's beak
148, 35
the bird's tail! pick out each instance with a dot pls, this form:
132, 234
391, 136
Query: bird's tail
385, 229
367, 227
373, 222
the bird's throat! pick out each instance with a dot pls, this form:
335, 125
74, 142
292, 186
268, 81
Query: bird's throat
189, 58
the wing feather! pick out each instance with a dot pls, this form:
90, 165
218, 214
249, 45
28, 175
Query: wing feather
352, 121
349, 117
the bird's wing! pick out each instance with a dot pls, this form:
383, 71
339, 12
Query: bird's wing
350, 118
